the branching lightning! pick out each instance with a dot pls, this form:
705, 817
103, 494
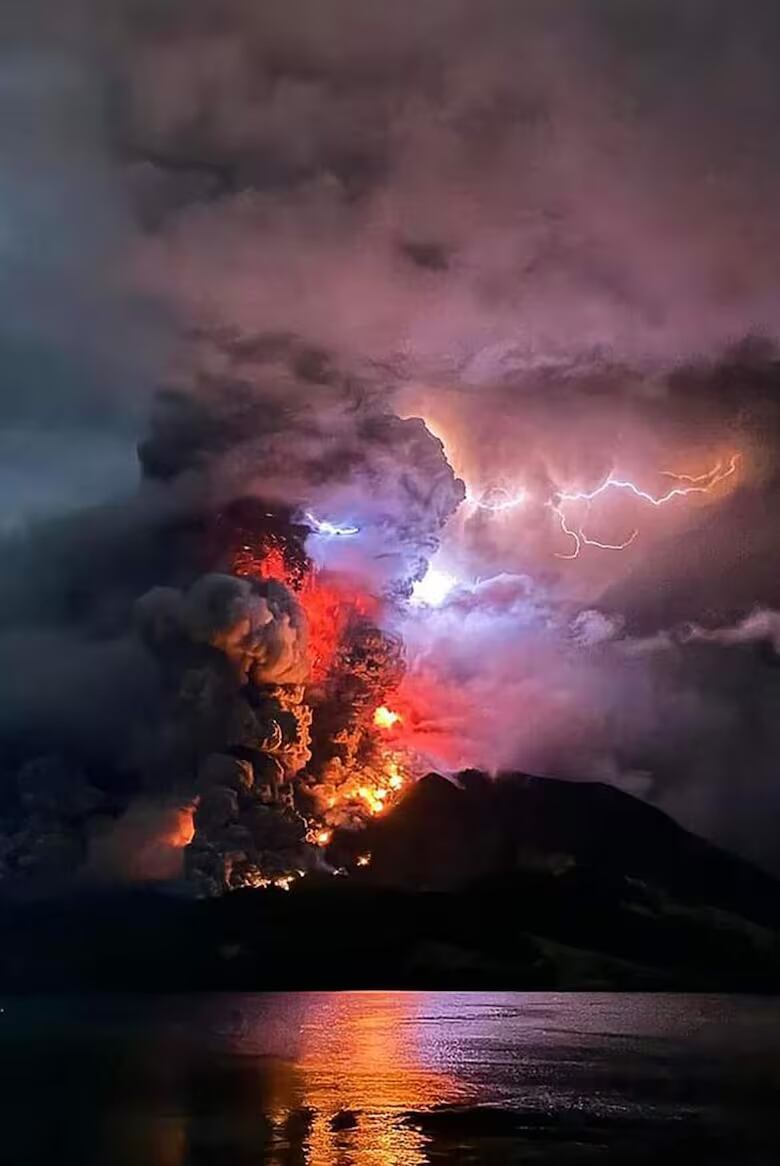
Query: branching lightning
580, 539
697, 484
498, 499
717, 474
711, 477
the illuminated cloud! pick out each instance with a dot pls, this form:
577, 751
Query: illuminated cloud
433, 588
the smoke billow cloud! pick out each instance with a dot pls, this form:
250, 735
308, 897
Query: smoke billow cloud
268, 242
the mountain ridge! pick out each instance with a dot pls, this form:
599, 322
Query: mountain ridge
513, 883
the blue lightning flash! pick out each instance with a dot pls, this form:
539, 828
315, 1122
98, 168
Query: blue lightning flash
330, 529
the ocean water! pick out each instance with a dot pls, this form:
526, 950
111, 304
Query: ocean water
389, 1079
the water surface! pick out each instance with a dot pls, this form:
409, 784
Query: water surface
389, 1079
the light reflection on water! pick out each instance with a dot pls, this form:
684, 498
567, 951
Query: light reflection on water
232, 1079
360, 1052
357, 1069
326, 1079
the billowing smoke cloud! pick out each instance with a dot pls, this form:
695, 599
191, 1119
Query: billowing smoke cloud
80, 350
264, 635
685, 717
463, 192
146, 844
548, 230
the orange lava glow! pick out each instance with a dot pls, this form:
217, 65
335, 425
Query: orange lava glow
385, 718
181, 828
330, 600
349, 790
282, 882
270, 565
434, 718
369, 789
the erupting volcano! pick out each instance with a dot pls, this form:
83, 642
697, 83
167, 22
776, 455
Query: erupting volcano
327, 626
442, 376
282, 660
312, 668
305, 624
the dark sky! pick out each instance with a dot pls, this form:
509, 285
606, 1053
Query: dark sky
549, 228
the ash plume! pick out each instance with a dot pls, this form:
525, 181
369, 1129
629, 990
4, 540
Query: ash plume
333, 262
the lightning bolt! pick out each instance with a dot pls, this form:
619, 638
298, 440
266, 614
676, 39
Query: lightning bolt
497, 499
581, 539
330, 529
710, 479
697, 484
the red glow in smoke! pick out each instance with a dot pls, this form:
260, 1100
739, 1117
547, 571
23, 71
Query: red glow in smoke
331, 601
431, 719
269, 564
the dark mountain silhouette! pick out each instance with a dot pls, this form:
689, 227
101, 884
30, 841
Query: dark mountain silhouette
520, 882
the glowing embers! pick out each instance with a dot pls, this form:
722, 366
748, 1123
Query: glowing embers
350, 796
377, 792
347, 797
395, 778
385, 718
318, 836
266, 563
433, 588
696, 484
330, 529
281, 882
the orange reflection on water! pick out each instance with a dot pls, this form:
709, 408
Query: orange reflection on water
358, 1055
247, 1081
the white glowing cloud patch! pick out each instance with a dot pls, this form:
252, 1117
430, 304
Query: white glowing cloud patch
498, 499
434, 588
330, 529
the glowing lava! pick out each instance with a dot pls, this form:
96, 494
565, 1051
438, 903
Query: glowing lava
362, 778
385, 718
282, 882
366, 789
329, 600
